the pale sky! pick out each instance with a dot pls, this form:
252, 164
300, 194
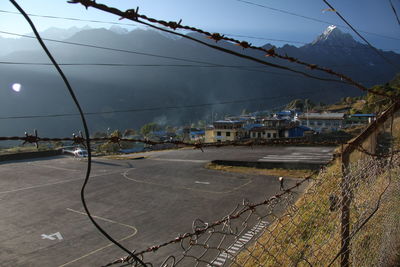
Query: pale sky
226, 16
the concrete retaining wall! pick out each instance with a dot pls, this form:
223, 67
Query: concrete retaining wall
270, 165
30, 155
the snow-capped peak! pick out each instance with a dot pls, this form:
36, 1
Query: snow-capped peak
334, 36
329, 30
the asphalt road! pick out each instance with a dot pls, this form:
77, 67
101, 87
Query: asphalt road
139, 202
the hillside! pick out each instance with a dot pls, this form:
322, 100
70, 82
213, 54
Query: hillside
158, 84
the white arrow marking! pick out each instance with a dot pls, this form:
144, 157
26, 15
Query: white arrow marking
53, 236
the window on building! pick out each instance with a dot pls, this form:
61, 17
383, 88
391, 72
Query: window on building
319, 123
304, 123
228, 133
218, 133
259, 135
312, 123
274, 135
269, 135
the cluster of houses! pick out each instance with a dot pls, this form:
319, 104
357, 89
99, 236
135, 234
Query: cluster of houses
287, 123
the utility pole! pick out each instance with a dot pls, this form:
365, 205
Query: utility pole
345, 211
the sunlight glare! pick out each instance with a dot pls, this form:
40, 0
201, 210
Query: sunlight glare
16, 87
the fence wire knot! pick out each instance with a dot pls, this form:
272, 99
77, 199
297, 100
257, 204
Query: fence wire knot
78, 139
216, 36
244, 44
31, 139
270, 52
85, 3
173, 25
115, 140
131, 13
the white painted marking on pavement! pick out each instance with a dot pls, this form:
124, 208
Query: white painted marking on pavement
239, 243
134, 232
182, 160
199, 182
55, 183
53, 236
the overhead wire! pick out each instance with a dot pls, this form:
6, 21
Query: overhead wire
110, 49
256, 99
227, 34
303, 43
86, 130
359, 35
311, 18
172, 26
249, 68
246, 67
394, 11
238, 67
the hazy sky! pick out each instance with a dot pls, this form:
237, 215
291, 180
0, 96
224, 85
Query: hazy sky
226, 16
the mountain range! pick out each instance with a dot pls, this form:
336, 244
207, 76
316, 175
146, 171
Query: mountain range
153, 74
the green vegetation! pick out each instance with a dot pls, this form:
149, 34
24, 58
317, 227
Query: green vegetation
148, 128
113, 147
372, 103
369, 103
301, 104
29, 148
310, 233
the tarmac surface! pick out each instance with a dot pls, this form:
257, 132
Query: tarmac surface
140, 202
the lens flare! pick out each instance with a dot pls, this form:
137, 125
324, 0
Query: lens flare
16, 87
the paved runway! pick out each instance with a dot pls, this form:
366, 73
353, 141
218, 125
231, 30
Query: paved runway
139, 202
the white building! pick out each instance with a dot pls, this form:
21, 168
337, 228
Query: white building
322, 122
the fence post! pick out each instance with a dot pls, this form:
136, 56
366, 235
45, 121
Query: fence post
345, 216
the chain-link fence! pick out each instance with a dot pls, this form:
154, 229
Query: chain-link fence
344, 215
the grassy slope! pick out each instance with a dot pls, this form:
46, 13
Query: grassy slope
311, 232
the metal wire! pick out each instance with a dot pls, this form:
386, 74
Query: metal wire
286, 229
135, 16
85, 126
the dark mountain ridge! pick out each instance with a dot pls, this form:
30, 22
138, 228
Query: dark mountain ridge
155, 85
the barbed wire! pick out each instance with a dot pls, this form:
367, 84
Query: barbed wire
227, 34
135, 16
234, 215
33, 138
187, 106
214, 244
281, 209
360, 177
78, 139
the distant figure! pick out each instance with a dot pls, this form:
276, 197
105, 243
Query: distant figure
281, 183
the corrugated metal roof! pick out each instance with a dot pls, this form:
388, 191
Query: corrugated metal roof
322, 116
363, 115
225, 121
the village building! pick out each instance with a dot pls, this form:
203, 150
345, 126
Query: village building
322, 122
224, 130
197, 135
264, 132
359, 119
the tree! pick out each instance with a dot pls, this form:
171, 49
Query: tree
149, 128
99, 135
130, 132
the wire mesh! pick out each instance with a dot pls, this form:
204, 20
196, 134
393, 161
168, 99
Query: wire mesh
306, 224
